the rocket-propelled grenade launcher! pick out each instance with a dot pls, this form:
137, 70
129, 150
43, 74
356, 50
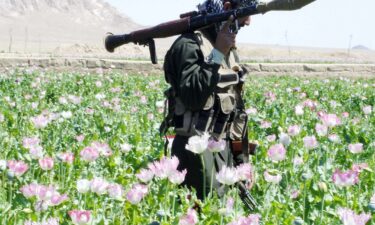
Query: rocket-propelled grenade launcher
196, 20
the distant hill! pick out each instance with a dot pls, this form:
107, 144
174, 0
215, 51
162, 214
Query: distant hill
43, 25
360, 47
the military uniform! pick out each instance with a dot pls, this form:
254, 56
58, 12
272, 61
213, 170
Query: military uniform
204, 97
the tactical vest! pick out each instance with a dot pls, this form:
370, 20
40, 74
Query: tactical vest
223, 115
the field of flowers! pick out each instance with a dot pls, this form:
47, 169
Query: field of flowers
85, 149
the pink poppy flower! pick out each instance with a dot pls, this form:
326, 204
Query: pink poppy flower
228, 207
40, 121
75, 99
345, 115
115, 191
98, 186
271, 138
150, 116
67, 157
177, 177
80, 217
165, 167
298, 110
46, 163
190, 218
367, 110
360, 167
45, 193
294, 194
198, 144
63, 100
321, 130
126, 147
310, 104
297, 161
310, 142
251, 111
50, 221
80, 138
355, 148
89, 154
36, 152
272, 177
245, 172
98, 84
334, 138
143, 99
330, 120
30, 142
270, 96
29, 190
89, 111
17, 168
346, 178
83, 185
265, 124
284, 139
102, 148
216, 146
349, 217
276, 153
253, 219
57, 199
145, 175
227, 175
137, 193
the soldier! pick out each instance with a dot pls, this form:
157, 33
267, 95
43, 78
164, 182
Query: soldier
206, 96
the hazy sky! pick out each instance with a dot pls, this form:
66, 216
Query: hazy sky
323, 23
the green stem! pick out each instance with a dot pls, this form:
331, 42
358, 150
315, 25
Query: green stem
113, 214
11, 192
222, 206
321, 209
133, 219
122, 217
304, 200
212, 175
166, 206
346, 196
174, 202
235, 205
204, 176
267, 200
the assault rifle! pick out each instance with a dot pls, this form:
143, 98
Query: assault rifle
246, 197
196, 20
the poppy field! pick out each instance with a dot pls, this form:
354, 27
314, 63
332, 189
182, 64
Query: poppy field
84, 148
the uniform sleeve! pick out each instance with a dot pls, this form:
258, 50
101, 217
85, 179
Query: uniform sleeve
196, 79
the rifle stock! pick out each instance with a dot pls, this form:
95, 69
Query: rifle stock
192, 21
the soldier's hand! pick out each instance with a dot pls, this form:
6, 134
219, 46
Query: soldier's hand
225, 40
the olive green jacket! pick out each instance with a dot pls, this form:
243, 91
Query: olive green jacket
192, 79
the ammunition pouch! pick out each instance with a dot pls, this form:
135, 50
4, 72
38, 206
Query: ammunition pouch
215, 115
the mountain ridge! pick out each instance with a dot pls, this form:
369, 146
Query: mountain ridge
32, 25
